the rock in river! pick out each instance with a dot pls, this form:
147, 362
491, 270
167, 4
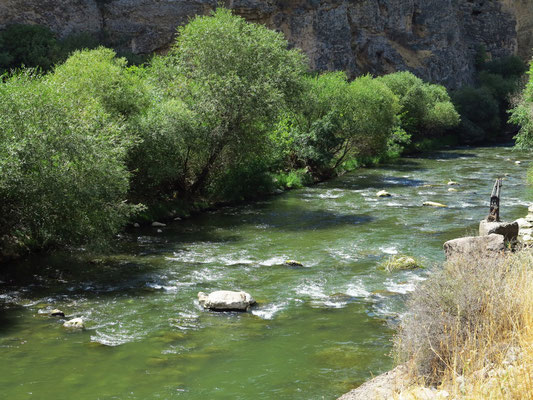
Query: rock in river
57, 313
226, 300
433, 204
158, 224
293, 263
75, 323
383, 193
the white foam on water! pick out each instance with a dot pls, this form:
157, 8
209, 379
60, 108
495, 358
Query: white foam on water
393, 204
113, 339
389, 250
335, 304
401, 288
357, 289
344, 253
273, 261
206, 275
329, 195
268, 311
311, 289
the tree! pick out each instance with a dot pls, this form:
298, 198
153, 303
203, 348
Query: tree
236, 76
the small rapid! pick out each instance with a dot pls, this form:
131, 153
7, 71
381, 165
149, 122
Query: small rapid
318, 329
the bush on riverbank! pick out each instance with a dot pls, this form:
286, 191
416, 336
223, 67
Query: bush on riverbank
483, 107
229, 114
522, 115
426, 110
62, 174
469, 328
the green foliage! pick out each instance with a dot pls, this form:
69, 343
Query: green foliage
479, 114
97, 75
293, 179
237, 77
483, 107
29, 46
336, 120
426, 109
62, 175
522, 115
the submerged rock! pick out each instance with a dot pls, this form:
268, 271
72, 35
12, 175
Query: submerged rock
158, 224
433, 204
76, 323
136, 225
225, 300
485, 246
293, 263
400, 263
452, 190
383, 193
57, 313
509, 230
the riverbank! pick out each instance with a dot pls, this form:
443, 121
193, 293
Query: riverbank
468, 331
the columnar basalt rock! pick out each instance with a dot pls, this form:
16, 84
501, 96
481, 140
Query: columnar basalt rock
436, 39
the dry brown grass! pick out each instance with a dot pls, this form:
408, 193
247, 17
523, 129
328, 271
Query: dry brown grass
470, 329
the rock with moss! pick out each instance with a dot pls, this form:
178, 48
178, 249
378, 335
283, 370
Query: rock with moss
400, 263
293, 263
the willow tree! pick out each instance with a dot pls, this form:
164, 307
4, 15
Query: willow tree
224, 82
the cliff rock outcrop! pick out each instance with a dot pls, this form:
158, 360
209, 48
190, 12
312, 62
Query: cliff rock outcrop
436, 39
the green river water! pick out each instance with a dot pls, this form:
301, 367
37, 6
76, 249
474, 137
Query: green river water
317, 332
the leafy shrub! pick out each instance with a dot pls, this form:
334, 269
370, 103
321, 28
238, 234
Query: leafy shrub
426, 109
293, 179
97, 75
479, 114
62, 173
522, 115
337, 120
28, 45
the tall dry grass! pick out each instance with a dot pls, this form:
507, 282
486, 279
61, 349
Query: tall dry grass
469, 329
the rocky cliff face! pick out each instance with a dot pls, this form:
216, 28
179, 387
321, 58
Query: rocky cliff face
436, 39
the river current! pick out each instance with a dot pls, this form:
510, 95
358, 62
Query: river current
318, 330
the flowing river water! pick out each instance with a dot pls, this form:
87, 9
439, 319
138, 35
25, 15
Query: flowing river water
318, 330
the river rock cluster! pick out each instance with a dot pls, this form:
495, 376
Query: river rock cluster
525, 234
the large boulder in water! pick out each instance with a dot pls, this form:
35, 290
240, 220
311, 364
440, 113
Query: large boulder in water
475, 246
509, 230
225, 300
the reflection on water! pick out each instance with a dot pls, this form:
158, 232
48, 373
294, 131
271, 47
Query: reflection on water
317, 331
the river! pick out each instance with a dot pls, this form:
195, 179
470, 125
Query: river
318, 330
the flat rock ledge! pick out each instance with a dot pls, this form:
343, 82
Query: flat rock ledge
475, 246
384, 386
226, 300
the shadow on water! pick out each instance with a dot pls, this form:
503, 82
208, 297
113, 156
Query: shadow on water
372, 181
8, 318
447, 155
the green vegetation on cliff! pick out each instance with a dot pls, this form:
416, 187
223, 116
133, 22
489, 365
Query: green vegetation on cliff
230, 113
